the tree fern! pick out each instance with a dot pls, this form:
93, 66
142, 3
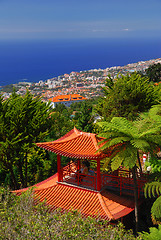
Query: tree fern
155, 234
126, 138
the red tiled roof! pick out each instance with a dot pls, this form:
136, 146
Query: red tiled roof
51, 181
102, 205
70, 97
75, 144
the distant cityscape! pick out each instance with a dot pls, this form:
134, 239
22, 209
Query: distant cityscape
87, 83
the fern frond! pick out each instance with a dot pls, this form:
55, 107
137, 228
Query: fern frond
140, 144
130, 157
152, 189
151, 131
117, 140
156, 211
116, 162
106, 163
109, 135
105, 126
127, 158
155, 111
113, 142
118, 124
156, 139
121, 123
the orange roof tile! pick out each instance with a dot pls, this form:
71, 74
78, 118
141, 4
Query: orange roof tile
75, 144
103, 205
70, 97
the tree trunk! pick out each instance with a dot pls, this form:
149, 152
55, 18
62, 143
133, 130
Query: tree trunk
14, 181
135, 197
21, 173
139, 162
26, 170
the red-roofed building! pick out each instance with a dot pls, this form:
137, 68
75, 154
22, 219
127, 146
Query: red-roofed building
67, 100
100, 195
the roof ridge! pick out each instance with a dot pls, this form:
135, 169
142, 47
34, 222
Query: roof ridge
64, 140
77, 131
74, 145
93, 136
104, 206
44, 188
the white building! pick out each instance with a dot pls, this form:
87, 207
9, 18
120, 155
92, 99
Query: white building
67, 100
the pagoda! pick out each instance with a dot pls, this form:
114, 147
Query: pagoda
103, 195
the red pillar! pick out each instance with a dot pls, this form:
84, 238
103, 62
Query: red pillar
98, 175
59, 167
78, 164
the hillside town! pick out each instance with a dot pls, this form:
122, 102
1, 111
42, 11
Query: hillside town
87, 83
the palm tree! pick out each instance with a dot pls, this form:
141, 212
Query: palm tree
126, 140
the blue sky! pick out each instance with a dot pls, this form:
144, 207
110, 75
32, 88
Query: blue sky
39, 19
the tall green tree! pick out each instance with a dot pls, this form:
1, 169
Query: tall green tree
61, 124
127, 96
85, 120
127, 139
154, 72
23, 121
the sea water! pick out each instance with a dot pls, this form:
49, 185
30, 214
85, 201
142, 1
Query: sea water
34, 60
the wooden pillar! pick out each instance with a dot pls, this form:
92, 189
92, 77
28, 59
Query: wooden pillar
59, 168
98, 175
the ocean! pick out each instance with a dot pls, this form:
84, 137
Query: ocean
34, 60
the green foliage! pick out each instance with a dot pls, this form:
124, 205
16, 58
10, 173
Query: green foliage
23, 121
154, 72
127, 138
85, 120
38, 166
20, 218
127, 96
76, 106
155, 164
152, 189
61, 108
156, 211
155, 234
61, 124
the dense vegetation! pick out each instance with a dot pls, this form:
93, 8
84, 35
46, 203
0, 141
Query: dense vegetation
126, 96
20, 218
127, 139
25, 120
153, 72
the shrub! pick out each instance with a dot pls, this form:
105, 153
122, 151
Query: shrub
155, 234
21, 218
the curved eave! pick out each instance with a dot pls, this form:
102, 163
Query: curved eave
101, 205
76, 155
75, 144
